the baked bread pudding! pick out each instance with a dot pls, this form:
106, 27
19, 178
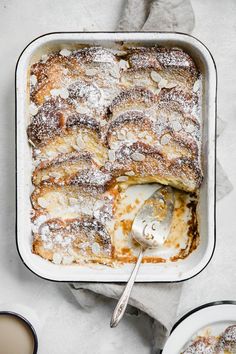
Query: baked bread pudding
225, 343
102, 122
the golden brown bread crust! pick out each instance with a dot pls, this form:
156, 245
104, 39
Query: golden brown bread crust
88, 78
174, 66
149, 165
61, 168
73, 240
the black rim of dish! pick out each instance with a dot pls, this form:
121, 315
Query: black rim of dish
199, 308
27, 323
97, 32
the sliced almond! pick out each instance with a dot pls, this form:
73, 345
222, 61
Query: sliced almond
123, 64
122, 179
165, 139
176, 126
162, 83
65, 52
95, 248
33, 80
170, 85
196, 86
137, 156
33, 109
155, 76
64, 93
130, 173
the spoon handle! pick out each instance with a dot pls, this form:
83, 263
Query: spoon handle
123, 302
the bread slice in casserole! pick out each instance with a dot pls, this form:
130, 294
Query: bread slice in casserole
62, 167
88, 78
54, 133
73, 240
156, 68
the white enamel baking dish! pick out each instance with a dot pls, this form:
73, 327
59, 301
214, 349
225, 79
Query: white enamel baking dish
163, 272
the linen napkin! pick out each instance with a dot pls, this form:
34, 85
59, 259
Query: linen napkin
159, 301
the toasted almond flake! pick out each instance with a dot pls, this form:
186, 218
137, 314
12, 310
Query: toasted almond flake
36, 151
55, 174
67, 260
156, 90
196, 86
171, 85
42, 202
130, 173
33, 109
90, 72
33, 80
44, 58
123, 64
31, 143
45, 177
65, 52
122, 179
95, 248
55, 92
64, 93
57, 258
111, 155
162, 83
137, 156
155, 76
165, 139
120, 53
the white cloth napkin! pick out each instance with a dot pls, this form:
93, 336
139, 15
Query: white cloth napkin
159, 301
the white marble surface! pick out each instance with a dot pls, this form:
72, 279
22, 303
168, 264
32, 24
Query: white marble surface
66, 328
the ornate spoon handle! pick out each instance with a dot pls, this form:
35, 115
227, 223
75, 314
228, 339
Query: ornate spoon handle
123, 302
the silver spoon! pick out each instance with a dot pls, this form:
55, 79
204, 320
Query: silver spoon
150, 229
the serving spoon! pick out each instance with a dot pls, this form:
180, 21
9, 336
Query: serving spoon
150, 229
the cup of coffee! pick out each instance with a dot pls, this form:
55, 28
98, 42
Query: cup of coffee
17, 334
